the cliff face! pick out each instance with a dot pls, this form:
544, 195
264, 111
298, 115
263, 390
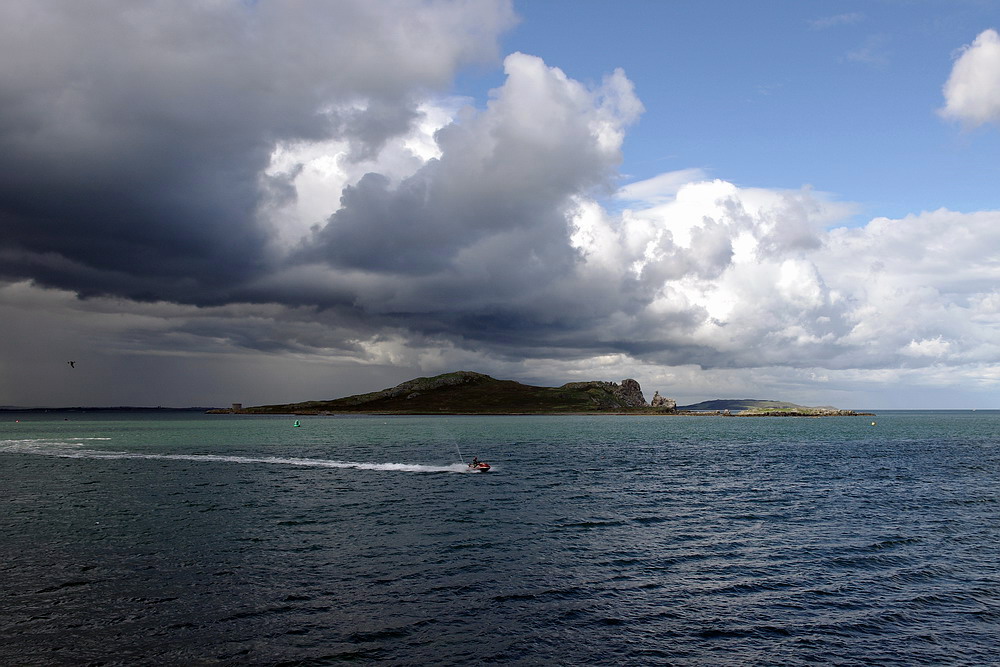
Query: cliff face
609, 395
631, 393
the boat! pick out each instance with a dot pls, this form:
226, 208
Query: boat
481, 466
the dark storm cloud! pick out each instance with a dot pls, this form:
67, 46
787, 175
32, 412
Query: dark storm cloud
476, 244
135, 155
133, 136
507, 172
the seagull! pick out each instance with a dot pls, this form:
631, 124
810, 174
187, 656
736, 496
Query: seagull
72, 364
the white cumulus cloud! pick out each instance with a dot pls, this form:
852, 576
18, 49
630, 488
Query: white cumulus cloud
972, 92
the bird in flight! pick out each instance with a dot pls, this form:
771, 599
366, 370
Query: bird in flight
72, 364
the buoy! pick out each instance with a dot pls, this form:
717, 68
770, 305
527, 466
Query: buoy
873, 423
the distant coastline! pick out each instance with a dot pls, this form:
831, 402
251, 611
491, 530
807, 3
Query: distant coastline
621, 413
471, 393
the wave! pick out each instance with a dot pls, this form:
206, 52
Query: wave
68, 449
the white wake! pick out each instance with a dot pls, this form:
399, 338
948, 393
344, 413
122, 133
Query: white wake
71, 449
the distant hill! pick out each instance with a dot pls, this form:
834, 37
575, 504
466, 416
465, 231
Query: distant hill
465, 392
737, 404
748, 407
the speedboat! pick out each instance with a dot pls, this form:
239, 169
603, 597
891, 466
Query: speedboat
479, 467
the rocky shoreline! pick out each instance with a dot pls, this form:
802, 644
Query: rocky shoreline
823, 412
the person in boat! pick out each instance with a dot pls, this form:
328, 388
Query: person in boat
475, 461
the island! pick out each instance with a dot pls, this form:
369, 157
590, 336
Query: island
471, 393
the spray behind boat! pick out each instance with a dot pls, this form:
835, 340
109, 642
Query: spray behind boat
476, 465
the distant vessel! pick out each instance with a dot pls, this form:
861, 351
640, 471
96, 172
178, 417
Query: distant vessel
480, 466
296, 423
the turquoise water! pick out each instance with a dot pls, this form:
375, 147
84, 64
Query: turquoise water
191, 538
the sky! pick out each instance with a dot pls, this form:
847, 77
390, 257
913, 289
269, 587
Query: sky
261, 202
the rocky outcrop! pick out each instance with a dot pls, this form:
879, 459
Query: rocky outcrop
631, 394
663, 403
611, 395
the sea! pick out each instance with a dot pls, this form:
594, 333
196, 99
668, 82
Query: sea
194, 539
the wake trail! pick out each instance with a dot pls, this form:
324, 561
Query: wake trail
63, 449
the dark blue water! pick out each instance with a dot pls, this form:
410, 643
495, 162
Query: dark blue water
595, 540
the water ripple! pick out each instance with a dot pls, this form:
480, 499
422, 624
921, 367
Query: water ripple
749, 542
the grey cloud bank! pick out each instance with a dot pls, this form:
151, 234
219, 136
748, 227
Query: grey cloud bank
133, 136
138, 153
